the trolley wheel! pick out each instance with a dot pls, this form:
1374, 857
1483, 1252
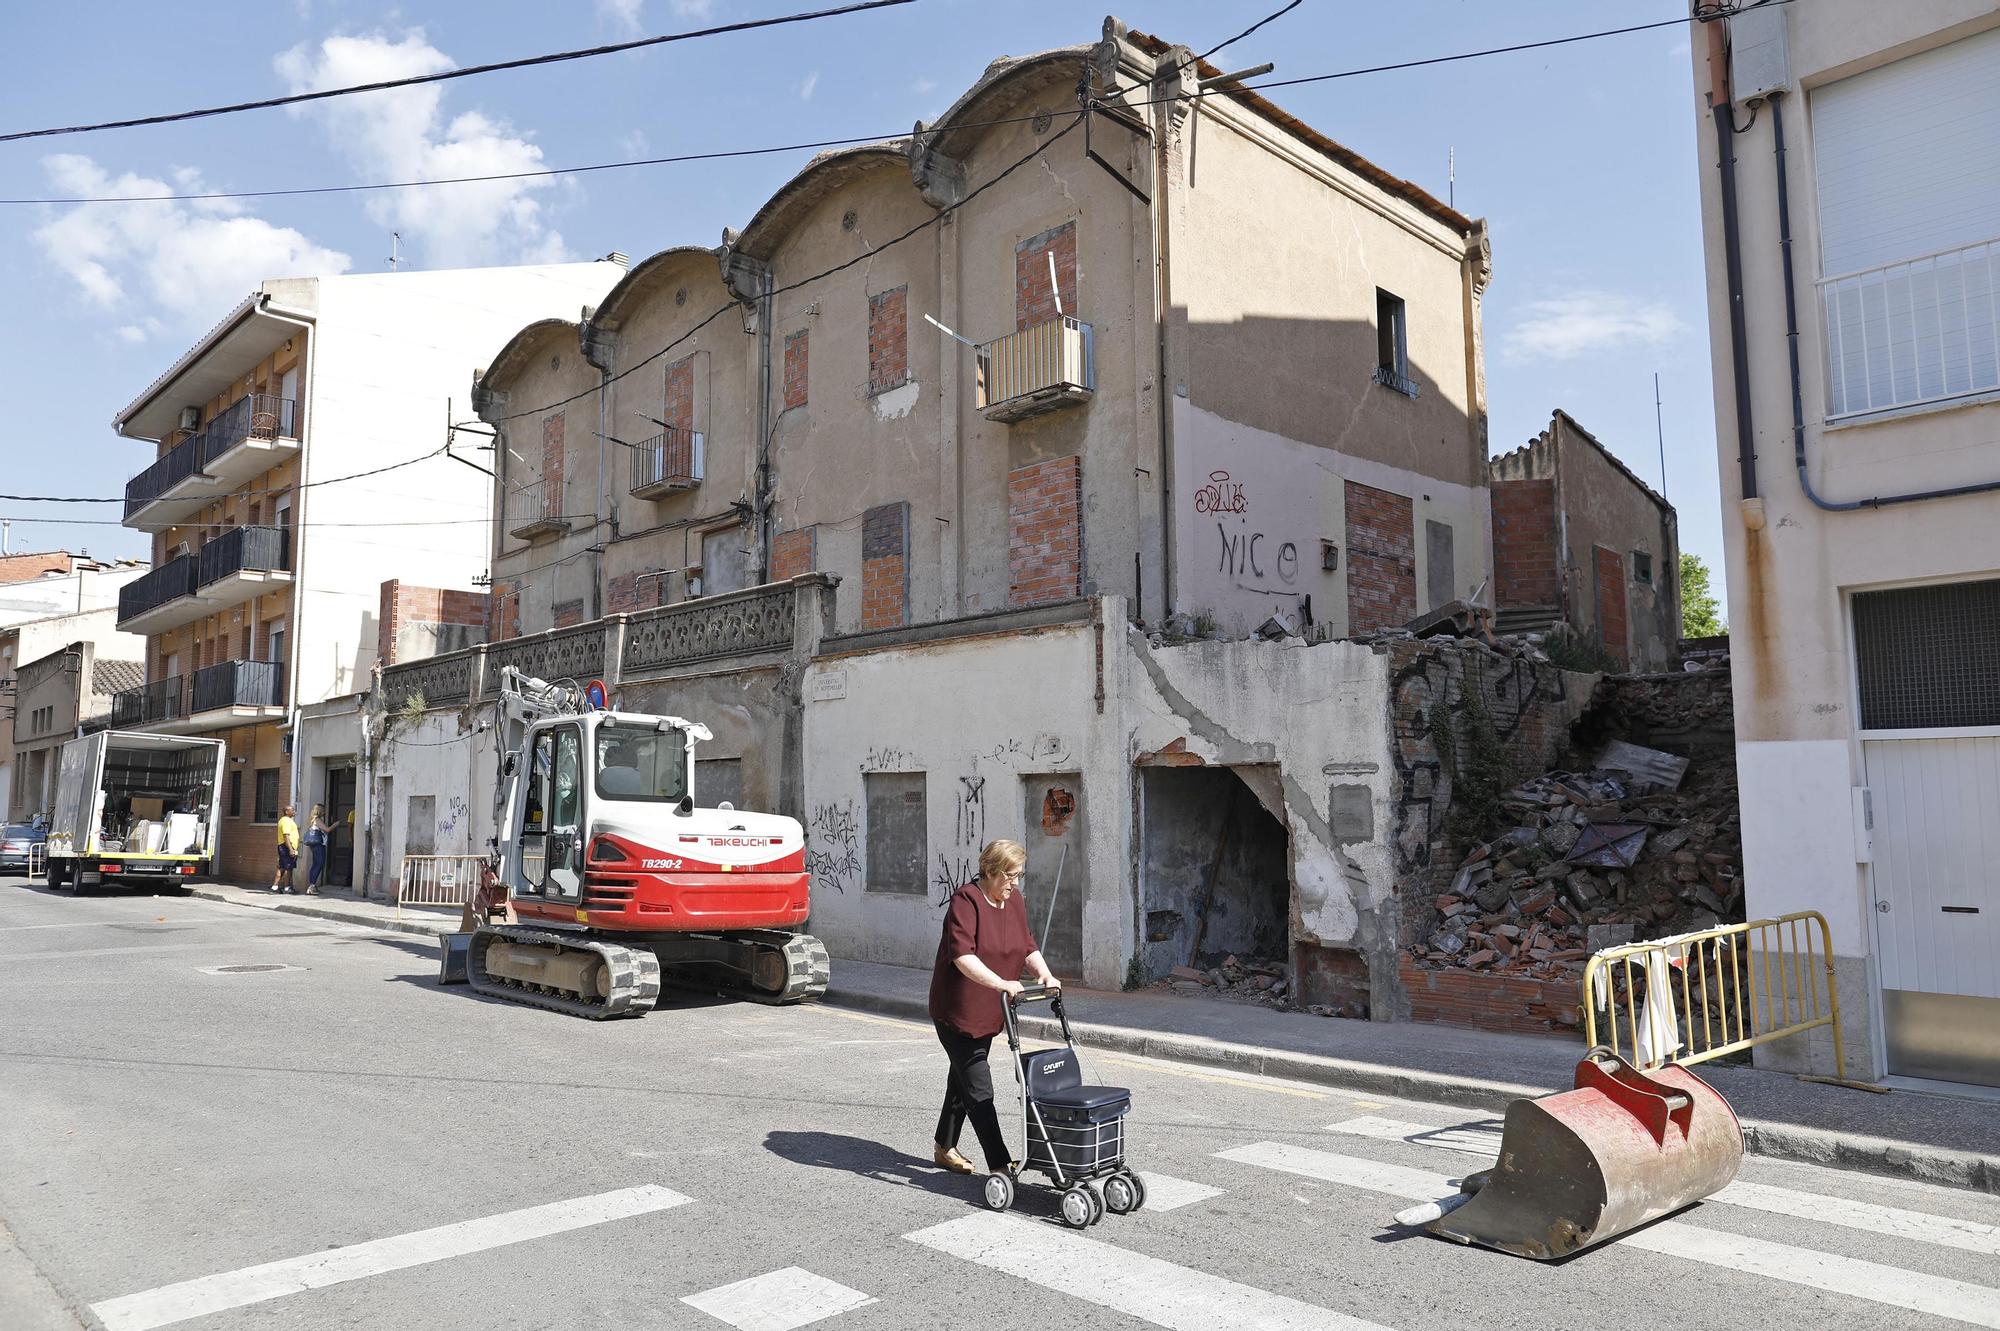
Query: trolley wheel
1096, 1201
997, 1191
1124, 1193
1079, 1208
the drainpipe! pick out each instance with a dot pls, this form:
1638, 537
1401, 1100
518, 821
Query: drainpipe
765, 312
1723, 109
1792, 345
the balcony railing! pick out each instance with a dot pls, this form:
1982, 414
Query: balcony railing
1924, 330
671, 460
260, 417
1037, 369
535, 509
150, 704
245, 550
167, 583
238, 684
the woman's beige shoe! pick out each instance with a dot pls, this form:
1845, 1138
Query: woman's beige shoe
944, 1157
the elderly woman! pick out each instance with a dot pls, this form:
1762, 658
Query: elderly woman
986, 945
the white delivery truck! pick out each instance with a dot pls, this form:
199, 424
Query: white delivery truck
132, 806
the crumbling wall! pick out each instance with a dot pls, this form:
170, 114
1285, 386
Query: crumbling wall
1186, 811
1530, 705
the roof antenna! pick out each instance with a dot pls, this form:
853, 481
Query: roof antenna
395, 250
1451, 177
1660, 430
948, 333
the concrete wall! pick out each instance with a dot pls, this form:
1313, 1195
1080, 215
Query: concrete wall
1792, 566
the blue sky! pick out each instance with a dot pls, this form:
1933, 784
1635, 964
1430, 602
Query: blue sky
1583, 158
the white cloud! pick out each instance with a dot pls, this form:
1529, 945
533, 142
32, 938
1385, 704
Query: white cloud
622, 14
634, 143
403, 134
806, 88
1582, 322
157, 264
922, 86
697, 9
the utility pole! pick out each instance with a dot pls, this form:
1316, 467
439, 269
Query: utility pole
1661, 433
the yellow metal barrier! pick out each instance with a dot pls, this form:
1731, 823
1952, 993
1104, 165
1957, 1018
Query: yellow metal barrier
1697, 996
437, 880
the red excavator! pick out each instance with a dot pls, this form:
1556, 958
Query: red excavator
607, 878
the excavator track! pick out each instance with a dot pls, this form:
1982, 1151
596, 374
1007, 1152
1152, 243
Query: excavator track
729, 964
632, 973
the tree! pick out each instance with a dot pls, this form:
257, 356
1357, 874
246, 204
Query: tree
1701, 617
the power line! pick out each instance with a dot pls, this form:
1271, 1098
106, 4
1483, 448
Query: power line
240, 494
724, 154
467, 71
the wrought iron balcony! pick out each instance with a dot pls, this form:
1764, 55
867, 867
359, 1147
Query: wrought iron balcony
535, 509
234, 684
245, 550
1037, 369
230, 449
164, 585
669, 461
150, 704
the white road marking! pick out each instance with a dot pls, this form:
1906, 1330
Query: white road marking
1164, 1192
780, 1301
1155, 1292
254, 1284
1939, 1296
1894, 1221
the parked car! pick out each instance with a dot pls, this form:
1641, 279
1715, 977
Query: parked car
16, 839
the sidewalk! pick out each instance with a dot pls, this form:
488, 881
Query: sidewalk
1933, 1138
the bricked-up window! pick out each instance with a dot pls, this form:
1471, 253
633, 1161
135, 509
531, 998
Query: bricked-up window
677, 408
1392, 344
267, 795
794, 552
552, 463
1381, 559
568, 614
897, 823
1034, 296
1045, 532
795, 369
885, 566
888, 340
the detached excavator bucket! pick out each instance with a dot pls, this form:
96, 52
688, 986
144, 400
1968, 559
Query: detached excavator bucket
1583, 1166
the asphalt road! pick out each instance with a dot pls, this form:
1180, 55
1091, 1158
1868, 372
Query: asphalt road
341, 1143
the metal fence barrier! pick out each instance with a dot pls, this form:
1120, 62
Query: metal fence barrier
437, 880
1698, 996
38, 859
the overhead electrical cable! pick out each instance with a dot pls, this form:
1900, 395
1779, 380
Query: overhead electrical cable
466, 71
723, 154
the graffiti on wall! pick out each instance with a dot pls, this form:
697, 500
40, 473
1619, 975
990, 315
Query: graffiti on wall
1221, 495
1422, 786
457, 812
833, 858
953, 872
1246, 553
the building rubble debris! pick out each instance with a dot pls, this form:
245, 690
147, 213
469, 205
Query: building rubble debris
1249, 980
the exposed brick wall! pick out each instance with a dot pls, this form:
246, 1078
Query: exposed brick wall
677, 410
1488, 1002
888, 340
1609, 566
552, 461
1034, 299
568, 614
404, 606
885, 566
794, 552
641, 589
1526, 556
1381, 559
795, 369
1531, 705
26, 568
504, 612
1045, 531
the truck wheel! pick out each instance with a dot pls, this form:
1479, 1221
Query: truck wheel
59, 874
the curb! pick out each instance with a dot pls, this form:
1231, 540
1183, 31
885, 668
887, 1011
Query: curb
1772, 1141
424, 928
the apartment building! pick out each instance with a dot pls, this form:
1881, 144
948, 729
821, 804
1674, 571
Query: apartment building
952, 491
1851, 211
299, 460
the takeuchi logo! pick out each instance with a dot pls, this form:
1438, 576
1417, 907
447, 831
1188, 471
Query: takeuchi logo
1221, 495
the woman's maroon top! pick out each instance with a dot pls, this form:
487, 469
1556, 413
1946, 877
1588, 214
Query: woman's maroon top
998, 936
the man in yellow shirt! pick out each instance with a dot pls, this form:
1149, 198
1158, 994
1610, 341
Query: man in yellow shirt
288, 851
